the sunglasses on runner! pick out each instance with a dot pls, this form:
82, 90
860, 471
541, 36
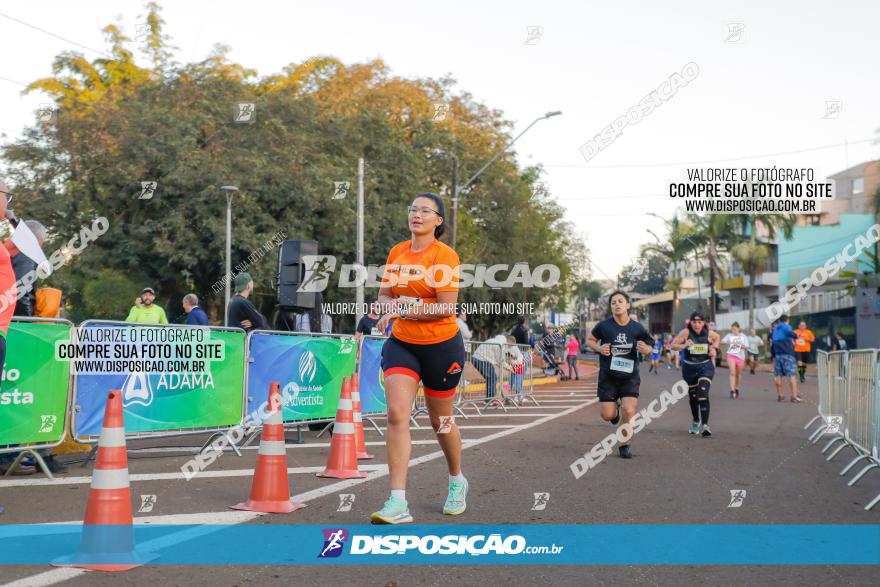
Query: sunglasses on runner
423, 211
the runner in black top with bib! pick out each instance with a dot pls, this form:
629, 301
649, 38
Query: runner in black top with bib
700, 347
619, 341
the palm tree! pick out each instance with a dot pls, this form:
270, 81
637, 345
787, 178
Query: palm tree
587, 293
715, 233
752, 254
675, 250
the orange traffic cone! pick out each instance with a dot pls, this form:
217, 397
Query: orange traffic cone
270, 491
359, 442
107, 542
342, 461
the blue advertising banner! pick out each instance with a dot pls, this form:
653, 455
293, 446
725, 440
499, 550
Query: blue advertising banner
446, 544
309, 369
370, 376
162, 390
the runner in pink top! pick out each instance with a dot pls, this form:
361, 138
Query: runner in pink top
572, 346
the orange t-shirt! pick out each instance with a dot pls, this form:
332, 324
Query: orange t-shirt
418, 277
803, 340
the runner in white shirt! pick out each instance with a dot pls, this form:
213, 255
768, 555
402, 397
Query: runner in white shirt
737, 346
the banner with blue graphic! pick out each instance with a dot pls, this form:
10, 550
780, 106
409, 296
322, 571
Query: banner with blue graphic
160, 397
370, 376
309, 369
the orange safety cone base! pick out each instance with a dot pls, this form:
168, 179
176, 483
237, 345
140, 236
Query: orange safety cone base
341, 474
364, 456
80, 561
269, 507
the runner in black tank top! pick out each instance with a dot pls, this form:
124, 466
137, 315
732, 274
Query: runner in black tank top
700, 347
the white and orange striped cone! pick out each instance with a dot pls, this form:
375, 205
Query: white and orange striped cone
342, 460
359, 442
108, 536
270, 490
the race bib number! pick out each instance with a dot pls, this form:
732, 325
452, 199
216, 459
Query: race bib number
700, 349
801, 341
622, 365
409, 300
375, 331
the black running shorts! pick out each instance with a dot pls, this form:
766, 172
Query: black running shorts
438, 366
611, 388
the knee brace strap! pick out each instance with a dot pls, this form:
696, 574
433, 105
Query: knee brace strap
703, 386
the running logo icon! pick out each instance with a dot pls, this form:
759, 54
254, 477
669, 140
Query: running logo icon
834, 424
340, 189
334, 540
737, 496
319, 268
148, 190
346, 500
47, 423
147, 503
446, 423
621, 338
541, 500
245, 113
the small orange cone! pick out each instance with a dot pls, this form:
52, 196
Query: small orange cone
359, 442
107, 542
342, 461
270, 490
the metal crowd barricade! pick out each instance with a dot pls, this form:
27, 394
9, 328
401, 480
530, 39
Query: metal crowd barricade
861, 404
33, 449
217, 431
835, 417
527, 384
482, 379
849, 407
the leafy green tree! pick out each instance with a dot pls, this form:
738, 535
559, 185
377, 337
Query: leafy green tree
119, 124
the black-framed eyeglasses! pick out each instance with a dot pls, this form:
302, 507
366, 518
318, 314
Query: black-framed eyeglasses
9, 196
421, 210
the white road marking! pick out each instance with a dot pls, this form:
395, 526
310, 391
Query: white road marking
59, 575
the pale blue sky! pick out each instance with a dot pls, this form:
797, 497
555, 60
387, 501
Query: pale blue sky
764, 94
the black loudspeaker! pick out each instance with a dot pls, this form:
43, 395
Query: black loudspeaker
291, 271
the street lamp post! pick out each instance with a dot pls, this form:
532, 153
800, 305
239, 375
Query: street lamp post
230, 190
457, 190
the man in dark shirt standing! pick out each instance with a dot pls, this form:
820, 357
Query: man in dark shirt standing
367, 323
22, 265
195, 316
241, 313
619, 340
520, 333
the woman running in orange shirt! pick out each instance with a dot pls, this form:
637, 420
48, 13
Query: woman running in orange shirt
419, 293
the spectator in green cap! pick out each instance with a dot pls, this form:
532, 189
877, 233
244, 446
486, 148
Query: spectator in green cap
241, 313
144, 310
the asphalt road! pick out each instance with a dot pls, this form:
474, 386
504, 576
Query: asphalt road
758, 445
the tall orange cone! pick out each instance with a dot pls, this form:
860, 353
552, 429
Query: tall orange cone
107, 542
342, 461
270, 490
359, 442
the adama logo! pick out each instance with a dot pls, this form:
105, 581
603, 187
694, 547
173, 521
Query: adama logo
334, 541
454, 368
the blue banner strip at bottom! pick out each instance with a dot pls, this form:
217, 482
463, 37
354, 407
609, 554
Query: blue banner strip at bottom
282, 544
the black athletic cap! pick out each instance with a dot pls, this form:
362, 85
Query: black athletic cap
697, 315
